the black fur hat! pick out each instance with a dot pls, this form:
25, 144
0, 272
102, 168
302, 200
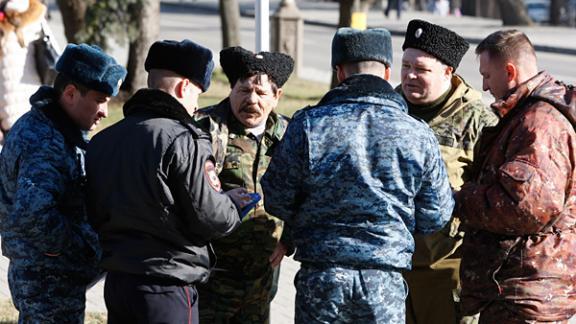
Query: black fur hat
239, 63
442, 43
185, 58
353, 45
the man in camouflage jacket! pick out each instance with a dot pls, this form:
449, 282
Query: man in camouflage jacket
456, 114
352, 179
53, 251
245, 130
519, 252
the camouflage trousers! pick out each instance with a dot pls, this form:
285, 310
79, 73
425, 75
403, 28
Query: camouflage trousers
337, 295
46, 296
226, 300
434, 295
496, 313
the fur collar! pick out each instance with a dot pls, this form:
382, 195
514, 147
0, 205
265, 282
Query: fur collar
359, 87
157, 102
14, 21
45, 100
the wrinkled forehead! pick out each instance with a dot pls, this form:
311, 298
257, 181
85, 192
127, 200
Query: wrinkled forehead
258, 80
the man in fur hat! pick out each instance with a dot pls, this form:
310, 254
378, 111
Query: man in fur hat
53, 251
352, 179
457, 115
154, 196
245, 130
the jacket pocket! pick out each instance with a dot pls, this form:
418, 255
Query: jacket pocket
516, 178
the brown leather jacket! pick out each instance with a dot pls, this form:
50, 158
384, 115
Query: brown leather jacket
520, 208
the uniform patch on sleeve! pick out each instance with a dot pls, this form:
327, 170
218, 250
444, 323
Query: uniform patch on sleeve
210, 172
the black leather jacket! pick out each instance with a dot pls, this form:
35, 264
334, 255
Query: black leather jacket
151, 199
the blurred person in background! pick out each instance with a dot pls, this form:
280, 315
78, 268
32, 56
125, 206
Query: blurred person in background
20, 25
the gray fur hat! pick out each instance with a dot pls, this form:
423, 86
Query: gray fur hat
353, 45
442, 43
91, 67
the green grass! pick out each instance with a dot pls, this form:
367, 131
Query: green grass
9, 315
298, 93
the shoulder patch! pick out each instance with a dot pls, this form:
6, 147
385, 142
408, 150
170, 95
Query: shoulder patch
210, 173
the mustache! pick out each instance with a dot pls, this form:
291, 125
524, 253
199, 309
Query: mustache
249, 109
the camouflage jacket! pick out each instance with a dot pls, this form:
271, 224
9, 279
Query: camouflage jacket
241, 160
43, 220
520, 209
355, 175
457, 127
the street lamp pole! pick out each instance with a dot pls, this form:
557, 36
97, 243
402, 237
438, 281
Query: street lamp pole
262, 25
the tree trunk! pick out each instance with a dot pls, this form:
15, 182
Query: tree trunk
469, 7
73, 13
230, 20
147, 19
488, 8
514, 13
556, 11
345, 13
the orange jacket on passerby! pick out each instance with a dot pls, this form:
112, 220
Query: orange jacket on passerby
520, 208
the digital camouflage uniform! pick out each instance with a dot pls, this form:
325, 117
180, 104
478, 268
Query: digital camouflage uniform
53, 251
243, 283
352, 179
434, 278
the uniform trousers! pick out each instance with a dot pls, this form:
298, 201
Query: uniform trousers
44, 296
143, 299
335, 295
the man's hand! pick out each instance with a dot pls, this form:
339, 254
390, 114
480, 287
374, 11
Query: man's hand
278, 254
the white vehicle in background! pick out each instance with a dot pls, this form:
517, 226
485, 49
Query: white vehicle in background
538, 10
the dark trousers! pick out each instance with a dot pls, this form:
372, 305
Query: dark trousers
144, 299
47, 296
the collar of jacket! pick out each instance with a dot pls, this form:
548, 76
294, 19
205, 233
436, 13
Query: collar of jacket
540, 88
222, 114
45, 101
542, 83
363, 88
157, 102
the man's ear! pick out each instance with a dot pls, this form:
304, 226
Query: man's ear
340, 75
387, 73
448, 72
511, 72
182, 87
69, 94
279, 93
